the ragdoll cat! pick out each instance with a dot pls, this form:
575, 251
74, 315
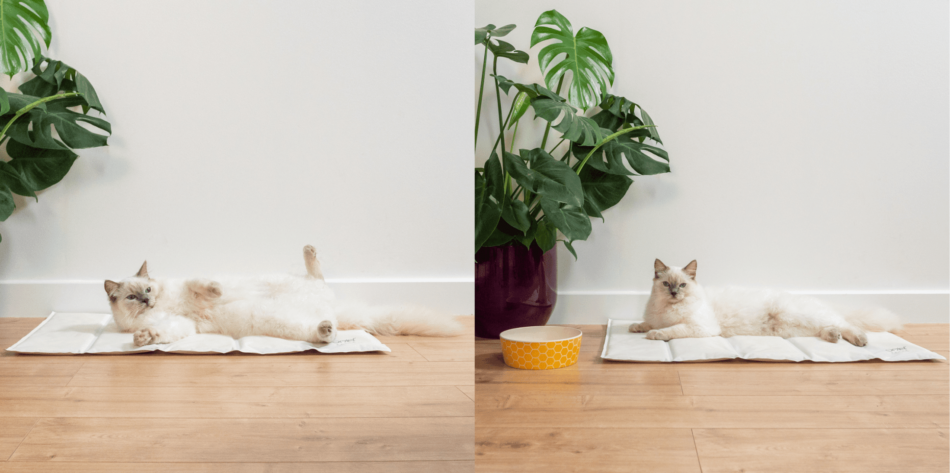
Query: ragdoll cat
680, 308
283, 306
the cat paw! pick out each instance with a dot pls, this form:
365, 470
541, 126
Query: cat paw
657, 335
856, 339
205, 288
326, 332
146, 336
213, 289
309, 252
830, 334
638, 327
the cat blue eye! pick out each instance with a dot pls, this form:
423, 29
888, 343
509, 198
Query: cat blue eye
130, 297
666, 284
148, 289
683, 285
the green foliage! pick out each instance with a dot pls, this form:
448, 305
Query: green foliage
529, 196
586, 55
24, 29
41, 128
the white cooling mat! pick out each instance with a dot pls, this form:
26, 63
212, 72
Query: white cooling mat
622, 345
83, 334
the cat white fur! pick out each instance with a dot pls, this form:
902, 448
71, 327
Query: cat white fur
284, 306
679, 307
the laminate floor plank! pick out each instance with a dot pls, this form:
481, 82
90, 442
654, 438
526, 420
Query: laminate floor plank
445, 351
816, 450
542, 450
497, 408
336, 467
248, 440
277, 374
738, 382
218, 402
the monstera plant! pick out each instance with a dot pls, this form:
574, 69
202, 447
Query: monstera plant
50, 117
526, 195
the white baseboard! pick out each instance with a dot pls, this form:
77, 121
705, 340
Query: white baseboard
39, 298
597, 307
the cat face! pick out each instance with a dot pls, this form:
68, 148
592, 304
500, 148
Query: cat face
132, 296
675, 284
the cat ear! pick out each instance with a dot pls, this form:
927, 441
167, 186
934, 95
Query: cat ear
143, 271
659, 267
111, 286
690, 269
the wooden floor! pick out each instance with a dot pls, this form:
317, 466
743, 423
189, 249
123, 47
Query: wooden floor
734, 416
411, 410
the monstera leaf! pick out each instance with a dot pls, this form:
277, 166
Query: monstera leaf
481, 34
489, 200
574, 127
585, 55
547, 176
24, 29
67, 125
58, 77
602, 190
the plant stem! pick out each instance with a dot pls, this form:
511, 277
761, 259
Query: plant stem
494, 70
515, 133
547, 128
605, 140
481, 89
555, 146
33, 105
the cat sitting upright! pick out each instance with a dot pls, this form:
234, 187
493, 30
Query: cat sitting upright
679, 307
284, 306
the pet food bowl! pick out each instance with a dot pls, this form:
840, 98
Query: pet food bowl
540, 348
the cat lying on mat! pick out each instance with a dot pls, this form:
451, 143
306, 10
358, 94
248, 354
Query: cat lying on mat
283, 306
680, 308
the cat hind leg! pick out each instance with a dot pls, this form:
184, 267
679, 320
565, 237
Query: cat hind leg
312, 263
854, 336
326, 331
830, 334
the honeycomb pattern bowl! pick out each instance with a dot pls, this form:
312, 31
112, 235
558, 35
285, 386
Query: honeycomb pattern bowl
540, 348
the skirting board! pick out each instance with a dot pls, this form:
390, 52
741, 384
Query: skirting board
39, 298
596, 308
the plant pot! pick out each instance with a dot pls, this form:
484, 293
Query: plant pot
515, 287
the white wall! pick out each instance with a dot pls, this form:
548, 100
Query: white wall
808, 144
243, 130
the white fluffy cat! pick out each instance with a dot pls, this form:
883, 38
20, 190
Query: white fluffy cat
680, 308
283, 306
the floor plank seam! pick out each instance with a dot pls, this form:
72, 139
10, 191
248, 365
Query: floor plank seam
409, 344
37, 421
466, 394
692, 433
680, 378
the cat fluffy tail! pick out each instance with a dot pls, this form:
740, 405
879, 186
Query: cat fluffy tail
389, 320
873, 319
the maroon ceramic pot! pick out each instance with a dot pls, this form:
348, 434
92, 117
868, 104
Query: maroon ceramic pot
515, 287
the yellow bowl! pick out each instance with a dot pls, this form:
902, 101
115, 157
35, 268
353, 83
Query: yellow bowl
540, 348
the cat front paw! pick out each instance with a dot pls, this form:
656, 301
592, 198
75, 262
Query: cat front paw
639, 327
146, 336
657, 335
326, 332
205, 288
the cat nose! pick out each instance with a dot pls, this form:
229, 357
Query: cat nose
673, 293
145, 300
